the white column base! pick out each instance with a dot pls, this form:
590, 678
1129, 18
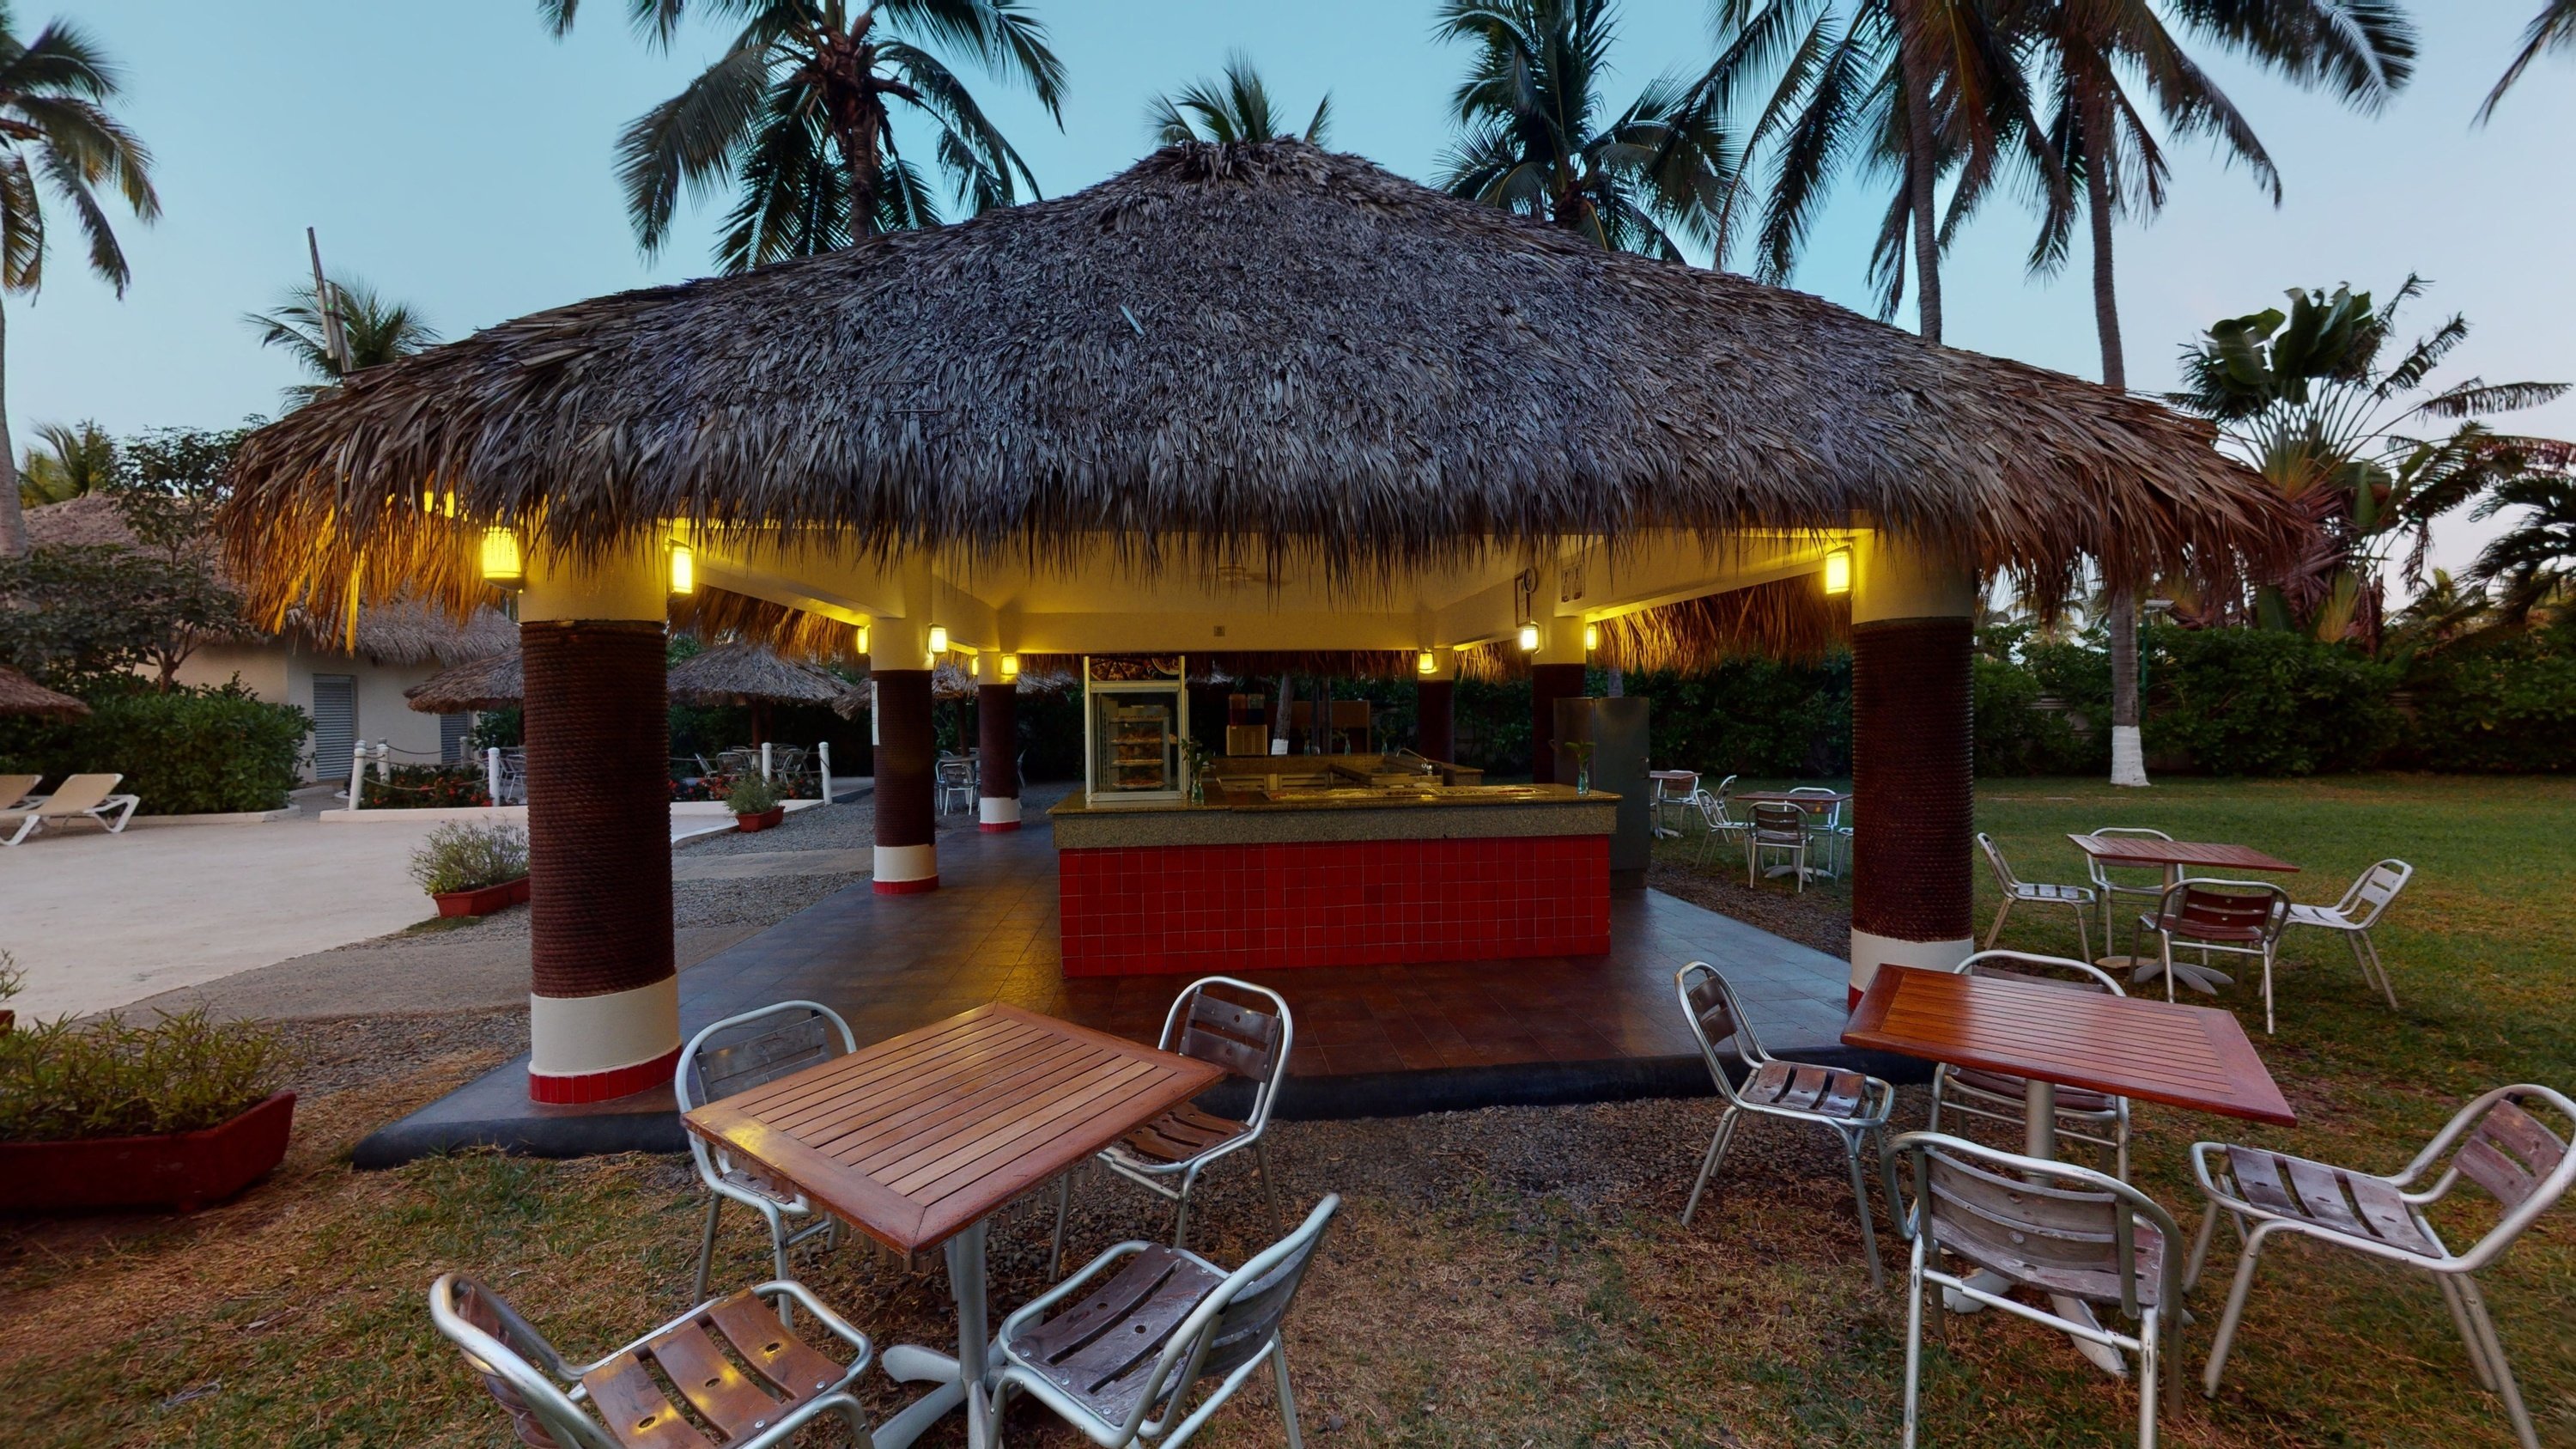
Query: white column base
2128, 756
591, 1048
1869, 952
904, 869
998, 812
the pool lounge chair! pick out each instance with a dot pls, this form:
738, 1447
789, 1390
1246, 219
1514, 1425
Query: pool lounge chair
90, 796
14, 789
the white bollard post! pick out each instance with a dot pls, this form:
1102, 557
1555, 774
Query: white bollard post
492, 773
764, 759
357, 774
823, 768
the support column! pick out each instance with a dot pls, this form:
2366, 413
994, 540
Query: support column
907, 857
997, 730
1555, 673
604, 1004
1435, 709
1913, 760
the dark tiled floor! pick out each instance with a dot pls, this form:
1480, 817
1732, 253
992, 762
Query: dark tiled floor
1544, 1028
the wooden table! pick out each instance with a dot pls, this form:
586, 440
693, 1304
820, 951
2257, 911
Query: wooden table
1813, 805
2158, 1051
2173, 857
917, 1139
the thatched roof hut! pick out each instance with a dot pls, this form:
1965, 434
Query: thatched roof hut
21, 695
498, 681
1262, 353
740, 673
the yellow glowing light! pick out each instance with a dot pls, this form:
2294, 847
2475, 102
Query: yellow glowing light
684, 570
501, 557
938, 638
1010, 666
1838, 571
863, 638
1591, 636
1529, 638
1426, 664
974, 667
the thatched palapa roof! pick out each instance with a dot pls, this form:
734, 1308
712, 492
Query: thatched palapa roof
21, 695
739, 673
1265, 352
499, 682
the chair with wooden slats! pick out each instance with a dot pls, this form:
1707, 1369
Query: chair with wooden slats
2352, 917
2096, 1118
2237, 917
1251, 1040
1852, 1106
2495, 1142
2017, 891
744, 1381
1119, 1365
2054, 1228
1781, 829
733, 1056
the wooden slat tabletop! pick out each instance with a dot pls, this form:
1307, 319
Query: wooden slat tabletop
2147, 850
2159, 1051
920, 1135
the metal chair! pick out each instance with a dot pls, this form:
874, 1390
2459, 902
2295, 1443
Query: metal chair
735, 1055
1247, 1040
2055, 1227
1852, 1106
2234, 917
2018, 891
1825, 825
1665, 798
2358, 911
2082, 1116
1779, 828
1717, 819
2500, 1146
618, 1403
2110, 887
955, 777
1119, 1365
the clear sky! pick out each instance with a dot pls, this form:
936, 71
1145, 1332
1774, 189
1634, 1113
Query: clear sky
460, 159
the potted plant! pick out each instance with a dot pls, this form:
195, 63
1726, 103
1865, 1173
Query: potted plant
754, 803
107, 1114
473, 870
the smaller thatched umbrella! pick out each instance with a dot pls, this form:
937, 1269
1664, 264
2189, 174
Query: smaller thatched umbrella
754, 675
499, 682
21, 695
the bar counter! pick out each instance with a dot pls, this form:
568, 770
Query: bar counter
1356, 875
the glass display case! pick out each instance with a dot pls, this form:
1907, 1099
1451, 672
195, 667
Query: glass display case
1135, 714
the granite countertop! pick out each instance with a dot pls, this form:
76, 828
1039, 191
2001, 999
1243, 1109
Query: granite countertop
1357, 812
1346, 797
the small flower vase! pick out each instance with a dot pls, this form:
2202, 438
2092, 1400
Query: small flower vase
1583, 777
1198, 788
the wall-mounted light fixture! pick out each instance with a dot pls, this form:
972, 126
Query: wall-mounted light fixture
974, 666
684, 570
1838, 571
501, 558
1010, 667
1426, 663
1529, 638
863, 638
938, 638
1591, 637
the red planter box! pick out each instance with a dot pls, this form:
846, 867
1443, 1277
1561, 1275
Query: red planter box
184, 1170
1168, 910
482, 902
762, 821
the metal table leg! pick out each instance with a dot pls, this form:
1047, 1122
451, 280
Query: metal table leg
960, 1378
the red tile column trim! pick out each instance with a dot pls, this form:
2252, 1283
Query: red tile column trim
907, 854
997, 743
1913, 783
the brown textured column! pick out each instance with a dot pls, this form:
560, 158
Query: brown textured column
1913, 792
997, 731
1548, 684
1435, 713
599, 795
907, 856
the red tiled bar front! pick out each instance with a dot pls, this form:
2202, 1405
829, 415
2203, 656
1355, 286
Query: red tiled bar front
1484, 873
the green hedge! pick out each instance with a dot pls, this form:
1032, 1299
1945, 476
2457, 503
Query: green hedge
187, 752
2507, 708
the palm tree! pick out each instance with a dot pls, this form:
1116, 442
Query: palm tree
2554, 28
54, 124
1536, 140
798, 117
1236, 108
377, 331
1901, 90
2105, 66
2535, 558
67, 463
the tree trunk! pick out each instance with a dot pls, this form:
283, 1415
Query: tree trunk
1922, 166
13, 523
2128, 745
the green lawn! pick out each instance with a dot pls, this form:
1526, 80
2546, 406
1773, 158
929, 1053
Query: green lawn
1513, 1278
